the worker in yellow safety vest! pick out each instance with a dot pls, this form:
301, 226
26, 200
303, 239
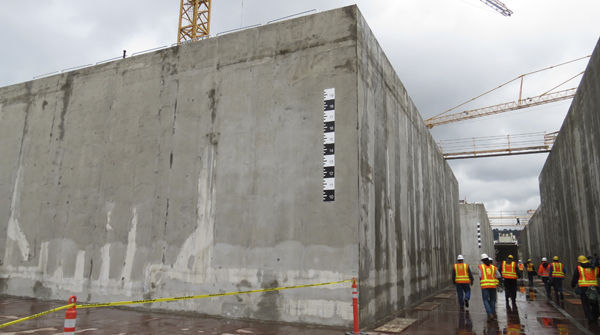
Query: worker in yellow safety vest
488, 275
521, 267
586, 277
544, 271
558, 275
530, 272
462, 279
509, 273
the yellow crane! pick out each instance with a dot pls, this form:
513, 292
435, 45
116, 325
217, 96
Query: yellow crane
521, 103
194, 20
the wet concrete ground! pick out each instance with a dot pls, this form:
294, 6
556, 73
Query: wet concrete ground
533, 314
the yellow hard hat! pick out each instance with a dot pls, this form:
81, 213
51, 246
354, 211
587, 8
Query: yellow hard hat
529, 260
555, 258
510, 256
582, 259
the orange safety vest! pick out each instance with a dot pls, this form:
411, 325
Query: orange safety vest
521, 267
488, 276
509, 271
544, 271
557, 270
587, 276
529, 267
462, 273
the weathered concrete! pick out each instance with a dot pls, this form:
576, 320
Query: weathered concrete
532, 314
408, 196
472, 217
199, 169
567, 223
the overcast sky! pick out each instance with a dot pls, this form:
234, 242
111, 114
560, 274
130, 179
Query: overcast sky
445, 52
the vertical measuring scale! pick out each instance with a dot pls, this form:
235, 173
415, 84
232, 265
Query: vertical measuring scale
329, 145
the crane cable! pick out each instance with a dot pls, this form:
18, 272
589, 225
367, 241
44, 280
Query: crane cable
519, 77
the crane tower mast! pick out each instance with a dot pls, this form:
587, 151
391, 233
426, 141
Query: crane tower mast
194, 20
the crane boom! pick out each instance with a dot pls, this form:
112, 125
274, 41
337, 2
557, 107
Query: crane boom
501, 108
194, 20
498, 6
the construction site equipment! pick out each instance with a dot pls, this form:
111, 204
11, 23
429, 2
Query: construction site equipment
70, 317
194, 20
492, 146
498, 6
547, 97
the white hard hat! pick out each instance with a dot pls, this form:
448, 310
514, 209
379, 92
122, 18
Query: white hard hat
520, 261
484, 256
460, 257
544, 259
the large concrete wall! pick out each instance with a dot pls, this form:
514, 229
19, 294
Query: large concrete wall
408, 196
567, 223
199, 169
472, 217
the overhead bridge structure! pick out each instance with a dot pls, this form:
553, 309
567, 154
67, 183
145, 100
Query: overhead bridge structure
493, 146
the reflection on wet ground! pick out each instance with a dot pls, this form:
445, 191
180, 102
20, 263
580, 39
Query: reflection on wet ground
533, 313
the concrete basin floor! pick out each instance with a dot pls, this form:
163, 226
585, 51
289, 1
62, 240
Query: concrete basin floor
533, 313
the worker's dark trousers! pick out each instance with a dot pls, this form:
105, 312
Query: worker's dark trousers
463, 291
547, 285
557, 284
510, 289
531, 274
590, 308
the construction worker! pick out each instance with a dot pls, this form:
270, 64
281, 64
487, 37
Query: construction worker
488, 275
586, 277
509, 273
544, 271
558, 275
530, 272
520, 270
462, 279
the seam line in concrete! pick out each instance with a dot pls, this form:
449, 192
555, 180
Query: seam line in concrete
567, 315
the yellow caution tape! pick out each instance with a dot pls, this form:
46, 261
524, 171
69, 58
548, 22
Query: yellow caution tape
36, 315
147, 301
168, 299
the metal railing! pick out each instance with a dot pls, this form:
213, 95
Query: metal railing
76, 67
108, 60
43, 75
294, 15
238, 29
180, 43
143, 52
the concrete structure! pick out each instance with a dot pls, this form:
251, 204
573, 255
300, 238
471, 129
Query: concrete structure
567, 223
199, 169
475, 229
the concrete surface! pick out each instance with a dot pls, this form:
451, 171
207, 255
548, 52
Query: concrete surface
532, 314
475, 228
199, 169
408, 196
567, 223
